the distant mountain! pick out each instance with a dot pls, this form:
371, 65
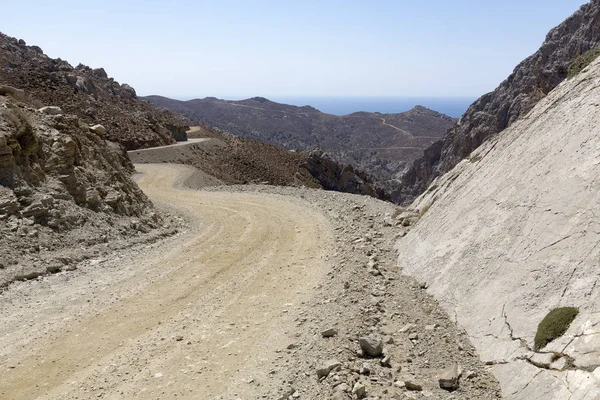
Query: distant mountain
530, 82
384, 145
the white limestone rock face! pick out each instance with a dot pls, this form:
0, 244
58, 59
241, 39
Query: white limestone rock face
514, 231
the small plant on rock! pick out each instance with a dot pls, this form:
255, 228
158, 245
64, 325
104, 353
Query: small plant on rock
554, 325
582, 61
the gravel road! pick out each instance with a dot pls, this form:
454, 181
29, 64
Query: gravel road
232, 307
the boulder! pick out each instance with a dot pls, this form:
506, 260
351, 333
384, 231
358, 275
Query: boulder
327, 333
98, 129
92, 198
51, 110
324, 369
84, 85
386, 362
560, 364
35, 209
448, 378
6, 90
5, 149
100, 73
8, 201
128, 92
408, 328
71, 80
359, 390
542, 360
372, 346
178, 132
413, 385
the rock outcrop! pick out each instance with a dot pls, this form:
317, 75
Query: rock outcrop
333, 175
88, 93
512, 232
63, 191
530, 82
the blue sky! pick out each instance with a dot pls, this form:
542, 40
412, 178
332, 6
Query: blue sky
235, 48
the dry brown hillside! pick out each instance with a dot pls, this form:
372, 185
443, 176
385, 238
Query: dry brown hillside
228, 159
384, 145
88, 93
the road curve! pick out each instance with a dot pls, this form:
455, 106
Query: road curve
199, 315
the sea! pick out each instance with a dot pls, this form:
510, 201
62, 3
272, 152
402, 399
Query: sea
453, 106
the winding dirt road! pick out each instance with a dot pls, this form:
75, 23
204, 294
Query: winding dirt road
200, 315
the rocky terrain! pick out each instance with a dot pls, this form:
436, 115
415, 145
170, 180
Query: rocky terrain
65, 193
384, 145
230, 286
266, 292
367, 303
227, 159
512, 232
89, 94
530, 82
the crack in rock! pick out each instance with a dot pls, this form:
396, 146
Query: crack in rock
525, 387
511, 332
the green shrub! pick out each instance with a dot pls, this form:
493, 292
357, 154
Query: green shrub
554, 325
582, 61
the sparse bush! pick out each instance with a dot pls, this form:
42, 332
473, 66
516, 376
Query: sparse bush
554, 325
582, 61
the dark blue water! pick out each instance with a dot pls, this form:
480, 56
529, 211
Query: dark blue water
452, 106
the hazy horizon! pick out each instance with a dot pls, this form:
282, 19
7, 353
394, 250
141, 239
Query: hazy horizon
384, 48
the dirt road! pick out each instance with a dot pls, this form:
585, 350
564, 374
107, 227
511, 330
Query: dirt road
200, 315
188, 142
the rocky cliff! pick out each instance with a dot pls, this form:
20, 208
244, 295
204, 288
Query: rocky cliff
530, 82
512, 232
383, 145
88, 93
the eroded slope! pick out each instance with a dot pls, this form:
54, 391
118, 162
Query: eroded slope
512, 232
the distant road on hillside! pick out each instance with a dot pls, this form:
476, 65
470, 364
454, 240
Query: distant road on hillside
383, 144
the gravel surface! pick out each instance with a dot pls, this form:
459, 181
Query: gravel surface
235, 306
